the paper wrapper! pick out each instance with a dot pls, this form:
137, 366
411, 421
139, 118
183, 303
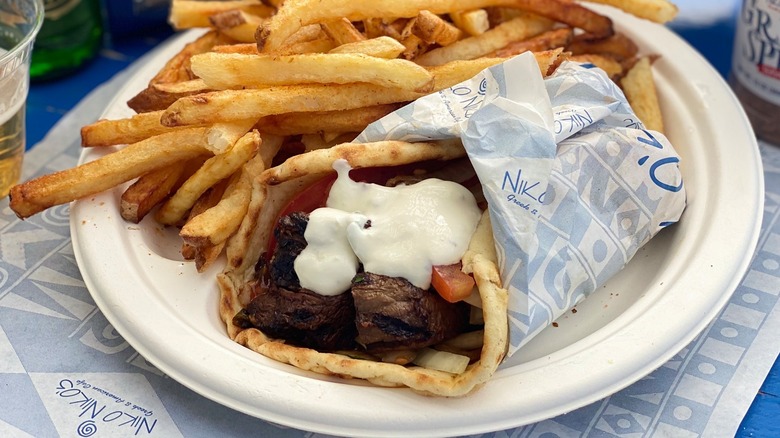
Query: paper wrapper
575, 184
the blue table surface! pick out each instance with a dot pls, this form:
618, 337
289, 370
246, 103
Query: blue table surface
49, 101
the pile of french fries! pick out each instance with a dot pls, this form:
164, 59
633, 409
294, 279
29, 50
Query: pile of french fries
270, 79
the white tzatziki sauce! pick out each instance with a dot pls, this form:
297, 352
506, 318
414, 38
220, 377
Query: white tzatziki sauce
400, 231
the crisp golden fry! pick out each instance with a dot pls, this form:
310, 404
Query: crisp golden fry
176, 70
108, 171
611, 66
213, 170
237, 24
517, 29
617, 46
159, 96
193, 86
229, 105
474, 22
221, 136
122, 131
322, 45
244, 48
148, 191
544, 41
454, 72
204, 255
379, 47
569, 13
185, 14
222, 71
342, 31
414, 46
246, 104
296, 13
433, 29
308, 39
216, 224
660, 11
324, 141
639, 87
352, 120
379, 27
307, 33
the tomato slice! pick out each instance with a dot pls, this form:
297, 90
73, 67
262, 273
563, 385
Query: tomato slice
451, 283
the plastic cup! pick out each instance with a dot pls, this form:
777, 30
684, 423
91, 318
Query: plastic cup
20, 21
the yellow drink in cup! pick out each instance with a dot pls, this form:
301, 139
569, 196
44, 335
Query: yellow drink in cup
20, 21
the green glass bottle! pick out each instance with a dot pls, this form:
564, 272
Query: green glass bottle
72, 34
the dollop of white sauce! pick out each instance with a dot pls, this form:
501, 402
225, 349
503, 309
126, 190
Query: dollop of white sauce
400, 231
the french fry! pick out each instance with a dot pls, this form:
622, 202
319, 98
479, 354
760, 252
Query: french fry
148, 191
208, 231
617, 46
185, 14
351, 120
217, 223
159, 96
517, 29
229, 105
176, 70
433, 29
222, 71
474, 22
544, 41
244, 48
379, 47
639, 88
321, 45
108, 132
108, 171
323, 141
245, 104
237, 24
414, 46
611, 67
222, 136
454, 72
660, 11
342, 31
296, 13
308, 39
205, 254
569, 13
213, 170
379, 27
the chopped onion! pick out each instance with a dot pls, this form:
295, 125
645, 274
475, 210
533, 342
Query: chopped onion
441, 360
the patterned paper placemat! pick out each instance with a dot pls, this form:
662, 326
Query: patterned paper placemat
64, 370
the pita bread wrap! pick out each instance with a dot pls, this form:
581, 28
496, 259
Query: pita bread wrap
275, 187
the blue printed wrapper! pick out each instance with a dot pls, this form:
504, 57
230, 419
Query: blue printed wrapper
575, 184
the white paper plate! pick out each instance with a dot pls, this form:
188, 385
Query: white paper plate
654, 307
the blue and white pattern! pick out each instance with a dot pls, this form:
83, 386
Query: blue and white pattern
575, 184
64, 370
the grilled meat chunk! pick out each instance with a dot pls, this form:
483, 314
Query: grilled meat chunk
391, 313
289, 243
304, 318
